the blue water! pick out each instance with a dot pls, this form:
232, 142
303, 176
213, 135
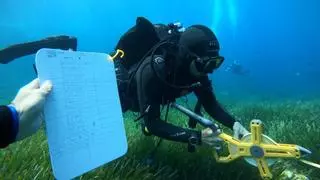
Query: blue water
278, 41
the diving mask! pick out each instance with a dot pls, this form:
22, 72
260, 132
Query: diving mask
207, 64
211, 63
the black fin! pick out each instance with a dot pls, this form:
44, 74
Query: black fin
23, 49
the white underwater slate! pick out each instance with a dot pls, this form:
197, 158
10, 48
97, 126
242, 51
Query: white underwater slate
84, 123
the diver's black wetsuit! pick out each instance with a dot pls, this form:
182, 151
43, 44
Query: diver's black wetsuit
147, 90
6, 127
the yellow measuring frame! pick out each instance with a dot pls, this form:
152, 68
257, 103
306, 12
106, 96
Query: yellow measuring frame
260, 148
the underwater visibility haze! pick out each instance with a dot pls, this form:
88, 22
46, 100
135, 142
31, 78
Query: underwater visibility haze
276, 43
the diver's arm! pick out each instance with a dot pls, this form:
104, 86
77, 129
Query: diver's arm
149, 91
7, 130
208, 100
165, 130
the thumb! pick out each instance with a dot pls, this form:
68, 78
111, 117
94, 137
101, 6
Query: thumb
236, 135
33, 84
46, 87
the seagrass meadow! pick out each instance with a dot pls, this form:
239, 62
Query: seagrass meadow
295, 122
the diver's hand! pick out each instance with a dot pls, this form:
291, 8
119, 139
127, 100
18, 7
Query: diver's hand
239, 131
209, 138
29, 104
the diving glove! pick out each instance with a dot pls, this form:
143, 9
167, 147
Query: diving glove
239, 131
211, 139
28, 104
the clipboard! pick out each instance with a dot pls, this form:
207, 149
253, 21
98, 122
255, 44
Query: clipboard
83, 117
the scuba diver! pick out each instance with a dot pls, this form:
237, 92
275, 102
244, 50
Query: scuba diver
160, 63
237, 68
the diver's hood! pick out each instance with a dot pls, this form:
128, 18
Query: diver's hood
200, 40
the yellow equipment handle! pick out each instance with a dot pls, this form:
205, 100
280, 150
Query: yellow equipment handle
119, 51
